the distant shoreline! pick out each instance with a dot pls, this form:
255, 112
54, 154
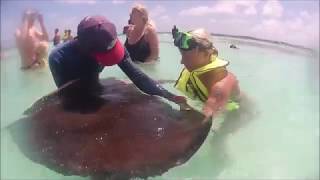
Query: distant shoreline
255, 39
264, 40
219, 35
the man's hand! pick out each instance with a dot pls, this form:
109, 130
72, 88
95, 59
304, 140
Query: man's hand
182, 102
179, 99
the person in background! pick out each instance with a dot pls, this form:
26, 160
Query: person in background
56, 38
95, 47
65, 36
233, 46
205, 76
142, 40
174, 31
69, 35
32, 43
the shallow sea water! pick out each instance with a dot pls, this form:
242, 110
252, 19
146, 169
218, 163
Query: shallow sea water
275, 137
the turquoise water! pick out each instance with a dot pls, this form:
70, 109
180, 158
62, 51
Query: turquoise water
276, 138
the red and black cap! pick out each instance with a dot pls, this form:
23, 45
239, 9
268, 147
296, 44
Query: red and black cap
99, 37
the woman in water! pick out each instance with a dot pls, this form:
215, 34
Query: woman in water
56, 38
32, 43
142, 41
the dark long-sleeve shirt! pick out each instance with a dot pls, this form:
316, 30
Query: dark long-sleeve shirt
67, 63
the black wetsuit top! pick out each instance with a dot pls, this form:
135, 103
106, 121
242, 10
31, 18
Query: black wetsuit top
67, 63
138, 51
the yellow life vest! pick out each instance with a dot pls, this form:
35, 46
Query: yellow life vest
190, 84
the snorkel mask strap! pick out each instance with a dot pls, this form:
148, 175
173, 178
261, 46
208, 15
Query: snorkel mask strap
183, 41
186, 40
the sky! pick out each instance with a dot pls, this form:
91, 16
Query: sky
292, 21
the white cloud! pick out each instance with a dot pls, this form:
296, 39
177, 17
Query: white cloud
250, 11
269, 27
118, 1
196, 11
165, 18
302, 29
159, 15
272, 8
69, 23
53, 15
295, 24
78, 1
157, 11
223, 7
212, 20
305, 15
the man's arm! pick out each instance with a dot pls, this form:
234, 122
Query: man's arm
55, 68
145, 83
141, 80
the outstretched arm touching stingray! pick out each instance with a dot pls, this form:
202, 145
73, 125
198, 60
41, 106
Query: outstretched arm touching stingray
147, 85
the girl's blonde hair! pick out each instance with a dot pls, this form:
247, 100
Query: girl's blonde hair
203, 38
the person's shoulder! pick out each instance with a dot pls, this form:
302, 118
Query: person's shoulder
61, 49
150, 32
56, 51
211, 77
150, 28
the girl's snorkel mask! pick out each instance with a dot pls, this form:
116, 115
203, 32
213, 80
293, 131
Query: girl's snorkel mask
186, 41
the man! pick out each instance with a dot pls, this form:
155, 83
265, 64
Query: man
56, 38
97, 46
32, 44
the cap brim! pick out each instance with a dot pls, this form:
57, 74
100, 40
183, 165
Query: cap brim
112, 56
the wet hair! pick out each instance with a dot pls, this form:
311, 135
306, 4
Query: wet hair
204, 41
143, 10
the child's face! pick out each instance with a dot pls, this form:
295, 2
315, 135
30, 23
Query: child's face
194, 58
189, 58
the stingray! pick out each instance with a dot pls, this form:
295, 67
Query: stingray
110, 129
